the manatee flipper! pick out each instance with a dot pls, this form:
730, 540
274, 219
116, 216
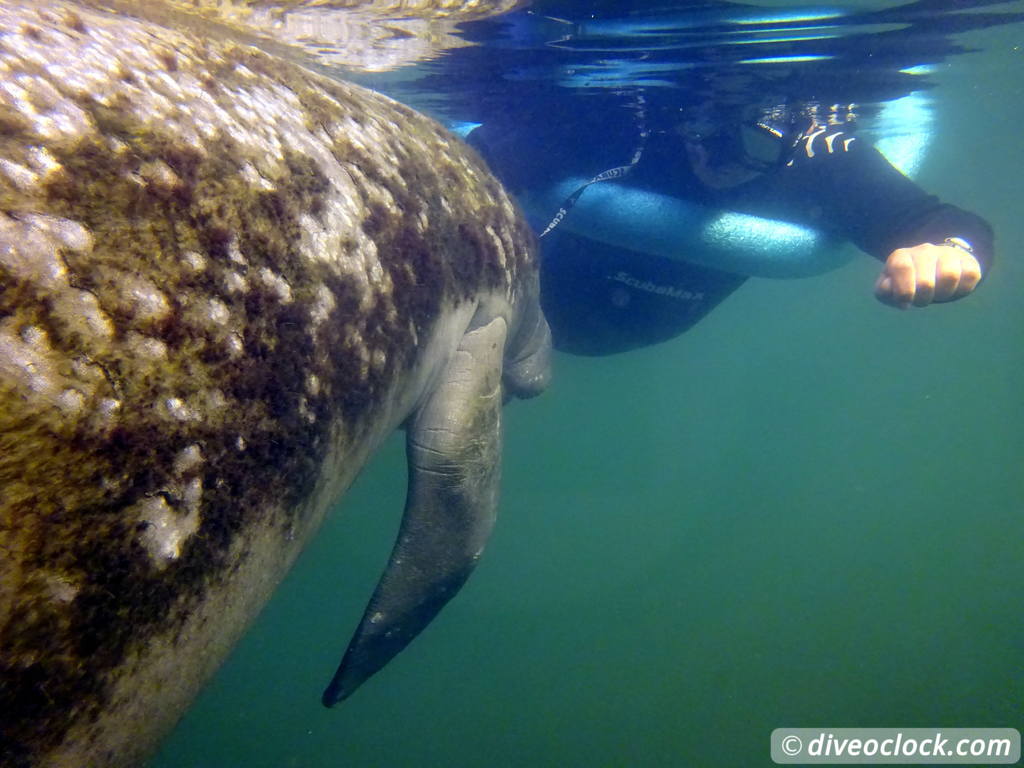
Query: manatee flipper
527, 368
454, 453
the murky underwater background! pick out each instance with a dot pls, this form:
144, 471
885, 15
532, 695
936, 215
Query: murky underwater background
807, 511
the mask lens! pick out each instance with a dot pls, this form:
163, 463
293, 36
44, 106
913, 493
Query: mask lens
760, 145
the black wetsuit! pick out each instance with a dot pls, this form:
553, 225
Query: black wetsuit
601, 299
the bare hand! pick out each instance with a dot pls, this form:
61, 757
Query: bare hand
925, 274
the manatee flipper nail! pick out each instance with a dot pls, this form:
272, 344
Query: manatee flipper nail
454, 457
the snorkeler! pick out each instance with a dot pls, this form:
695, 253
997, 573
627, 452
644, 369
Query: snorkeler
640, 253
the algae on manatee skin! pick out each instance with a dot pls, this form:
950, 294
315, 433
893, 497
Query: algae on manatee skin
215, 270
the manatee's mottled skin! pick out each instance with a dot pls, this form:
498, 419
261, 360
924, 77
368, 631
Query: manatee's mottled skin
223, 280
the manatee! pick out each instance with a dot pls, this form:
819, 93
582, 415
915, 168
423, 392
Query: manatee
224, 280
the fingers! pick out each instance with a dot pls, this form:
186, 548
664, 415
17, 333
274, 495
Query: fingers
947, 275
898, 283
970, 276
883, 290
926, 274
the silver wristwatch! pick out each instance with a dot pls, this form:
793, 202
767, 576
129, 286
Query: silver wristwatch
959, 242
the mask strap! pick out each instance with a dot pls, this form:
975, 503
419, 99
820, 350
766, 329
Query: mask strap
612, 173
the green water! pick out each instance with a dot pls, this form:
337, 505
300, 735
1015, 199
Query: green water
808, 511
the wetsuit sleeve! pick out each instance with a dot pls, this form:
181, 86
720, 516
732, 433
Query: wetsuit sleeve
849, 188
